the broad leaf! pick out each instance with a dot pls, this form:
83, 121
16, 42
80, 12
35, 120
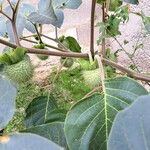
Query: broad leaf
26, 141
60, 18
25, 10
36, 17
7, 101
53, 131
39, 109
88, 123
72, 4
45, 13
131, 128
132, 1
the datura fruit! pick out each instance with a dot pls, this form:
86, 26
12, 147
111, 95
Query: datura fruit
21, 71
91, 77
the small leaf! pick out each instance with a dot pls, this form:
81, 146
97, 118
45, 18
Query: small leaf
88, 123
26, 141
7, 101
131, 127
71, 43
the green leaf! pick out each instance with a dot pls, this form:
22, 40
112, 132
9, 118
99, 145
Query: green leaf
7, 101
131, 127
53, 131
88, 123
111, 26
56, 115
71, 43
132, 1
26, 141
45, 119
39, 109
114, 4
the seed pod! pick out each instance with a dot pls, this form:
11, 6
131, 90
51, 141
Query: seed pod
91, 77
20, 72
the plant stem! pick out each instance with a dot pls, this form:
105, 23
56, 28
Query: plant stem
39, 36
103, 40
130, 73
130, 57
56, 33
101, 70
57, 41
15, 33
1, 12
92, 27
47, 45
11, 5
16, 11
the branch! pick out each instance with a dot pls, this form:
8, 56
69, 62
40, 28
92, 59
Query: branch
47, 52
56, 32
81, 55
16, 11
92, 27
57, 41
103, 40
47, 45
11, 5
130, 73
5, 15
101, 70
15, 33
39, 36
129, 56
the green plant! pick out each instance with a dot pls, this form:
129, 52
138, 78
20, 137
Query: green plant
91, 123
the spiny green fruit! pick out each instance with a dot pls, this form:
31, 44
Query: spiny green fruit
67, 62
87, 65
21, 71
114, 4
41, 46
92, 77
12, 56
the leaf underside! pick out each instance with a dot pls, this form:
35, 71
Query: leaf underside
131, 127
